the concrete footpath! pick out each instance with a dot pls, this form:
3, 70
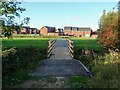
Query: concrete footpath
60, 64
61, 50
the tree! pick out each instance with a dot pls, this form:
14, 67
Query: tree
109, 30
9, 11
119, 25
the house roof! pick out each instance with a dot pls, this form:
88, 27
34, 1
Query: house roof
84, 29
50, 29
33, 28
27, 28
67, 28
60, 30
77, 28
74, 28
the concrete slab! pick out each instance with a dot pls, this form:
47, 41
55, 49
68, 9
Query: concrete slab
60, 53
60, 68
61, 63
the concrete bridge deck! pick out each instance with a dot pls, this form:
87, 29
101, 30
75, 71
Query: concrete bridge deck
60, 63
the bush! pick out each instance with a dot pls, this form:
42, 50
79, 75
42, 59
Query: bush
106, 71
109, 30
18, 63
104, 66
86, 56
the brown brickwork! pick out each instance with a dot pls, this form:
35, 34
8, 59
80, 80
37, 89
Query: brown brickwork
23, 30
51, 31
77, 32
44, 31
30, 31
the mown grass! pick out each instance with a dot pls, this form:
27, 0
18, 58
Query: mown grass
90, 44
36, 36
25, 42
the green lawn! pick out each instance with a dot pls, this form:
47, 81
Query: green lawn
90, 44
25, 42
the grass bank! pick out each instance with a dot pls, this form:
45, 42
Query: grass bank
19, 57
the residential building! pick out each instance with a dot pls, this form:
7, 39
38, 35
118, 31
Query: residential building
25, 30
77, 31
60, 32
47, 30
34, 31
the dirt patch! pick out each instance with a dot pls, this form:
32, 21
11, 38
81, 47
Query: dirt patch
49, 82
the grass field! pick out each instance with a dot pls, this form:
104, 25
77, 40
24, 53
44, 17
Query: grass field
90, 44
25, 42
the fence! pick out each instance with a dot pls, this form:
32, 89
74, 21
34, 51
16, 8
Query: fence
70, 47
50, 47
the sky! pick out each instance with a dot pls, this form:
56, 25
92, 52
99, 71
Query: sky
60, 14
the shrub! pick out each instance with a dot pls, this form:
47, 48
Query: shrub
109, 30
86, 56
106, 71
18, 63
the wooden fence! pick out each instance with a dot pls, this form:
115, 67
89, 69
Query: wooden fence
70, 47
51, 44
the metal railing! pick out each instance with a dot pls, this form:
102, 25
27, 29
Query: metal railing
70, 47
51, 44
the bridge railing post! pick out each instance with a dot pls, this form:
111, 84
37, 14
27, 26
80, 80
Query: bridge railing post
70, 47
51, 44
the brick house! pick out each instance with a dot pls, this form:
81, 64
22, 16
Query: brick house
47, 30
15, 31
25, 30
84, 32
67, 30
34, 31
94, 34
28, 30
60, 32
77, 32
